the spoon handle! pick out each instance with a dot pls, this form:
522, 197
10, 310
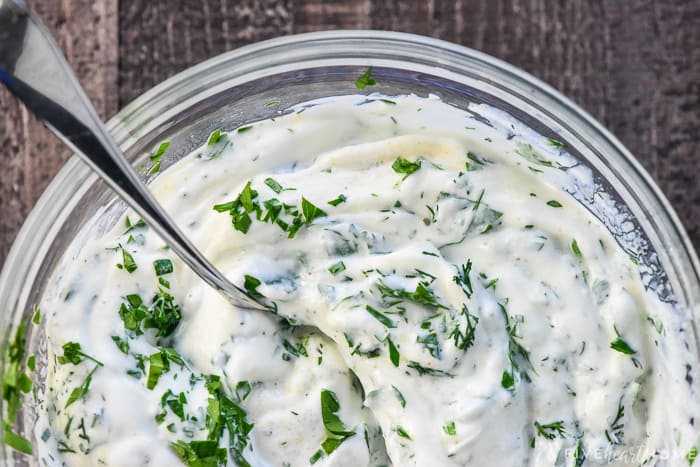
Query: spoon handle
34, 70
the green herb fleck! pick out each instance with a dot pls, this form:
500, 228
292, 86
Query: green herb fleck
394, 355
163, 266
554, 203
507, 380
550, 430
379, 316
121, 344
399, 396
335, 428
200, 453
128, 262
464, 336
311, 211
401, 431
215, 137
423, 370
462, 278
337, 268
423, 294
72, 353
82, 390
450, 429
404, 166
576, 249
157, 156
251, 285
339, 200
528, 152
365, 79
621, 346
274, 185
615, 431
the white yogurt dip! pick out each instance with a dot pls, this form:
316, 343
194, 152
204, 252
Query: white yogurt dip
443, 300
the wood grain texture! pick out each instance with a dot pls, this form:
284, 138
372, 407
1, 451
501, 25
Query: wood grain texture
159, 38
633, 64
30, 155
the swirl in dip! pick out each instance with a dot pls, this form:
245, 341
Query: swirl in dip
442, 300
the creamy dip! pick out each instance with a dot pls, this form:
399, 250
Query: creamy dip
441, 300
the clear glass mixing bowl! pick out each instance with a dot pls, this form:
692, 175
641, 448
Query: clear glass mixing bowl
234, 88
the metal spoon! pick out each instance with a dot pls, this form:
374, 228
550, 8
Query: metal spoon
34, 70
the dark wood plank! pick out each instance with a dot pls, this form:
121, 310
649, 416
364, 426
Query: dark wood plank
319, 15
87, 31
160, 38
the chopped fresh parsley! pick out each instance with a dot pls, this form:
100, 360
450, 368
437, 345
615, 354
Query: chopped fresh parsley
394, 355
554, 203
158, 364
399, 396
163, 266
339, 200
404, 166
365, 79
81, 391
156, 157
163, 314
122, 344
140, 224
15, 383
336, 432
225, 415
507, 380
274, 185
251, 285
575, 249
215, 137
381, 317
128, 263
401, 431
72, 353
246, 205
621, 346
295, 350
450, 429
337, 268
199, 453
311, 211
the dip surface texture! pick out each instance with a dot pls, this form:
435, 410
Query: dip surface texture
442, 300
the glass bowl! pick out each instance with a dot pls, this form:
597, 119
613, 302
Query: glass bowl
233, 89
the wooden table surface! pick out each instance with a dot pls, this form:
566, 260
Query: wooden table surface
633, 64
